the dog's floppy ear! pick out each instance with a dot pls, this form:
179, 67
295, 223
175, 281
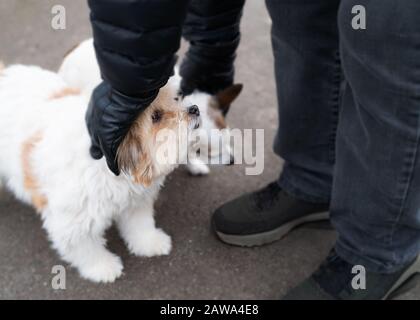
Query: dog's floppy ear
225, 97
143, 174
133, 159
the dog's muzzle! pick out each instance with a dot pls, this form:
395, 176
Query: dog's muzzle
194, 112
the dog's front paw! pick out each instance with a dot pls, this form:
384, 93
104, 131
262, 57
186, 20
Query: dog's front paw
153, 243
106, 269
198, 169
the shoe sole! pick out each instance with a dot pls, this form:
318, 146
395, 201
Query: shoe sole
259, 239
406, 282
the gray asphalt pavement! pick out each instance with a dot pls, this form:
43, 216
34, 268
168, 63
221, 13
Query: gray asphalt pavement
200, 267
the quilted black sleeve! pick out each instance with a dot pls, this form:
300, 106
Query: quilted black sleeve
136, 40
212, 28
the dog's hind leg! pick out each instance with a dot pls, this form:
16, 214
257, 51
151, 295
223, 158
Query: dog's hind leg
82, 245
137, 227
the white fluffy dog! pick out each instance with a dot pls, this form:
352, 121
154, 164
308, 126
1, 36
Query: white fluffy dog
80, 70
45, 162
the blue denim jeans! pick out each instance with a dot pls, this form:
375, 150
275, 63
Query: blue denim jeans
349, 121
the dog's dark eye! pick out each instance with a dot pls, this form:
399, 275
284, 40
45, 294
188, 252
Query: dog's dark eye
156, 116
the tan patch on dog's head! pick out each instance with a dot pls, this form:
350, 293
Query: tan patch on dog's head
220, 104
136, 155
30, 181
223, 99
216, 115
65, 92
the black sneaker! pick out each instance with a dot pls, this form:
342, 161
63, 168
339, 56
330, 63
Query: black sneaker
334, 280
264, 216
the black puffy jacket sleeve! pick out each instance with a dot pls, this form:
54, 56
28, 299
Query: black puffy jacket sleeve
212, 28
135, 41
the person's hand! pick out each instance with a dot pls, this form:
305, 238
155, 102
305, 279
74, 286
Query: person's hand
109, 117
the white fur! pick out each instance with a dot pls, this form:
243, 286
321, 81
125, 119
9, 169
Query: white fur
84, 197
80, 70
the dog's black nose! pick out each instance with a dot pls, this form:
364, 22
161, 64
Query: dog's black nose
193, 110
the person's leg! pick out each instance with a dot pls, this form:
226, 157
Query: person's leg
308, 74
376, 191
376, 195
308, 78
